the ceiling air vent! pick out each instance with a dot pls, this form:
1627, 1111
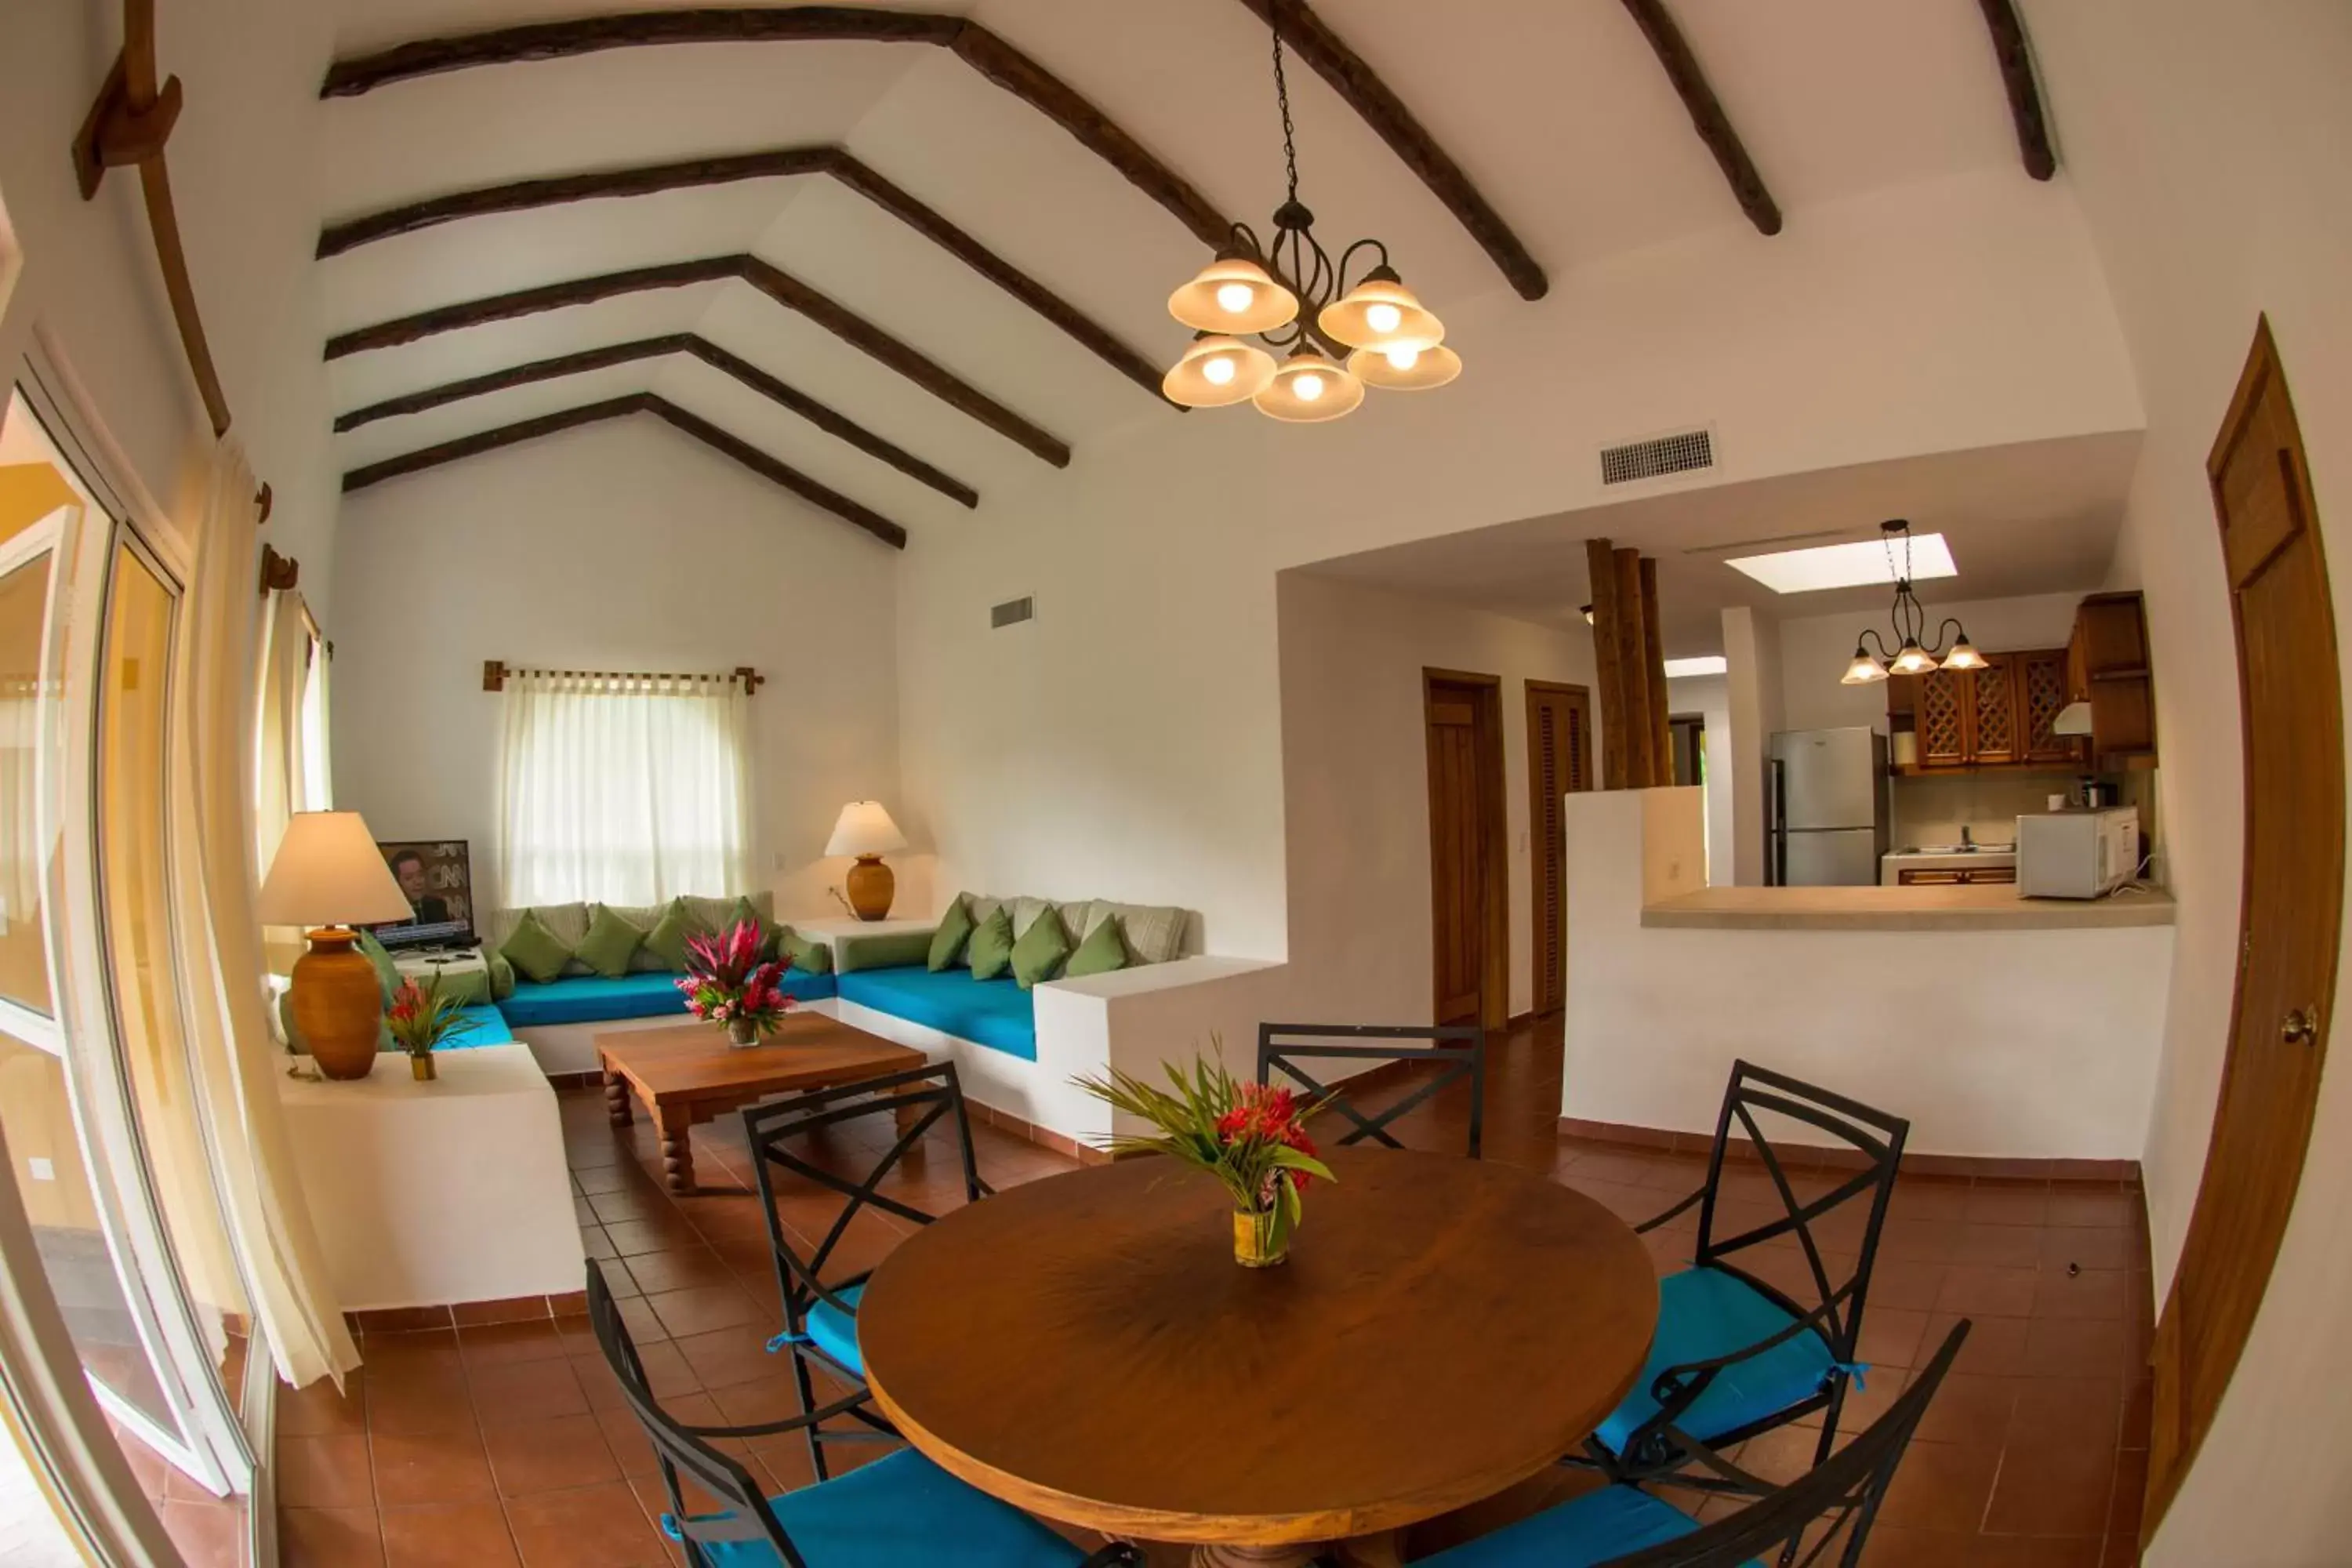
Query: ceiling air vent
1654, 459
1012, 613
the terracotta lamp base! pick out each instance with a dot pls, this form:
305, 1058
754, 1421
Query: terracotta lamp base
871, 888
338, 1003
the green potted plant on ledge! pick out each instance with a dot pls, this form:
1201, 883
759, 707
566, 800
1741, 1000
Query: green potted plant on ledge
420, 1017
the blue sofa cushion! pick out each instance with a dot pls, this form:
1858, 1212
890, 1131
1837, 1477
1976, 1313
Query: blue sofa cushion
1706, 1312
486, 1026
835, 1332
1595, 1527
993, 1013
900, 1512
593, 999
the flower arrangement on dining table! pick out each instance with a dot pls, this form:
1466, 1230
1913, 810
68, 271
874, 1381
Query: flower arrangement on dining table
420, 1017
728, 982
1250, 1136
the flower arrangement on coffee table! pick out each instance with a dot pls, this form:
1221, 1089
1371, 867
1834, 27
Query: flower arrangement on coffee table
1251, 1137
420, 1017
727, 983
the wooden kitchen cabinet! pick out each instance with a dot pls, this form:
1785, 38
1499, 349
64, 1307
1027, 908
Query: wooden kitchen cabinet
1995, 716
1957, 877
2106, 666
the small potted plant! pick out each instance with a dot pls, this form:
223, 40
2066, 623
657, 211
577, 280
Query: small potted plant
1252, 1138
727, 984
420, 1018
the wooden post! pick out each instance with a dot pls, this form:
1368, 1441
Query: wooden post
1640, 755
1601, 570
1654, 669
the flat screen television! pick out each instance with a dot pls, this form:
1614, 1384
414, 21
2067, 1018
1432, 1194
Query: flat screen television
437, 876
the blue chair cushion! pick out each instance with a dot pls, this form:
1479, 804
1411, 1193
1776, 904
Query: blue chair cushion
997, 1014
1595, 1527
593, 999
1704, 1313
901, 1511
835, 1332
486, 1025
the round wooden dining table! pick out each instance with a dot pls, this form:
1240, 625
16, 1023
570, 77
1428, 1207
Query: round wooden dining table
1086, 1348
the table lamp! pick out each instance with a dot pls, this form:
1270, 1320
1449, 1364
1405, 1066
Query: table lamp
866, 831
330, 876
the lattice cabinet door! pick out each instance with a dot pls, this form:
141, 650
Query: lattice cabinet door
1942, 716
1998, 736
2043, 689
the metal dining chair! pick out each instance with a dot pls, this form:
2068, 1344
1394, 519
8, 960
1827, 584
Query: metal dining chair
1829, 1508
820, 1312
1459, 1050
1736, 1355
900, 1507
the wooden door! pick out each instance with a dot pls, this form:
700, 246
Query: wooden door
1559, 753
1941, 701
2290, 916
2043, 680
1995, 738
1468, 869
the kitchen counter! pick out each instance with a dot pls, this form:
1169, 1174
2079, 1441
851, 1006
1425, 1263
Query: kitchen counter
1884, 909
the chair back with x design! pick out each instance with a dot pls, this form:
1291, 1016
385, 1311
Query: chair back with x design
820, 1301
1457, 1051
1830, 1508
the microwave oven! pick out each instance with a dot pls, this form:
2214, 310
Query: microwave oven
2077, 854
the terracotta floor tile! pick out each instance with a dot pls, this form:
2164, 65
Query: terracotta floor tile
2064, 1347
324, 1472
1891, 1336
209, 1535
2077, 1207
461, 1535
2089, 1293
329, 1538
502, 1344
705, 1309
527, 1391
1970, 1407
594, 1527
730, 1356
1909, 1287
435, 1467
550, 1455
320, 1410
2085, 1410
1893, 1546
1975, 1290
425, 1403
2028, 1551
1998, 1246
1995, 1347
1943, 1486
2090, 1247
630, 1237
684, 1269
2049, 1487
1991, 1204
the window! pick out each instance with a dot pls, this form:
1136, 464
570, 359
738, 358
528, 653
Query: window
623, 789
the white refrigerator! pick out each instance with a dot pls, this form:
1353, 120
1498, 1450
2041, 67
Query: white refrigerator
1827, 809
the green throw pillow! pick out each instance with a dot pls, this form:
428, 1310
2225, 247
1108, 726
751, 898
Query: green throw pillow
501, 975
535, 950
991, 945
771, 936
387, 973
955, 930
1040, 950
806, 954
1101, 953
666, 941
610, 943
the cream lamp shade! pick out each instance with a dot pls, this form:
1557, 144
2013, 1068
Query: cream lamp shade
864, 829
328, 872
1405, 368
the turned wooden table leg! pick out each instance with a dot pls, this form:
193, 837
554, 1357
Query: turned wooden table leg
1229, 1555
616, 1099
676, 1147
1385, 1550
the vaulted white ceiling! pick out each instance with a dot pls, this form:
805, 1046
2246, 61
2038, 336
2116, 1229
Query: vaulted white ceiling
1557, 110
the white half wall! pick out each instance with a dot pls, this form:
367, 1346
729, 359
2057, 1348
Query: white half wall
1355, 762
1752, 685
627, 546
1709, 697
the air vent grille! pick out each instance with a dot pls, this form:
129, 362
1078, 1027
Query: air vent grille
1658, 456
1012, 613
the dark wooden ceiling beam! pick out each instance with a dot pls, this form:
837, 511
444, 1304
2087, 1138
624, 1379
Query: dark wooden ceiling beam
2024, 94
781, 474
976, 46
1707, 118
776, 390
776, 284
1307, 36
651, 179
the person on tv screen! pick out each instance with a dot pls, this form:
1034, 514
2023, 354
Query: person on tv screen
427, 908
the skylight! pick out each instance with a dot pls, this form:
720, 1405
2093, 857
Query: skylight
1706, 664
1845, 565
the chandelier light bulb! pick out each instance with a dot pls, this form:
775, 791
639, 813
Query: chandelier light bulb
1381, 312
1403, 358
1384, 317
1912, 661
1235, 298
1964, 655
1865, 669
1309, 387
1405, 367
1217, 370
1234, 294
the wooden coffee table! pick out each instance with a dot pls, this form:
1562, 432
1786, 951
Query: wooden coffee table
688, 1073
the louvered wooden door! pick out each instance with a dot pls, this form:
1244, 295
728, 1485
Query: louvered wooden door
1560, 743
2291, 915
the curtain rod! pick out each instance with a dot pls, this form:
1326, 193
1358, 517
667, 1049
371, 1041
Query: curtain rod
495, 673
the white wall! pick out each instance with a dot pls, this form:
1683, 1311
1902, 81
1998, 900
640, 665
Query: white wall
1751, 645
2208, 146
1709, 697
628, 546
2058, 1059
1355, 763
1816, 649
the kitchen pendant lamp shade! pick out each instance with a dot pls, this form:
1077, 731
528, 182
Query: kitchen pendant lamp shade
1405, 368
1381, 312
864, 828
1912, 659
1309, 389
1964, 655
1217, 371
1865, 669
328, 872
1232, 294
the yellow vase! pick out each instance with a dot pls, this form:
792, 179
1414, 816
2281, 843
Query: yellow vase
1255, 1245
421, 1063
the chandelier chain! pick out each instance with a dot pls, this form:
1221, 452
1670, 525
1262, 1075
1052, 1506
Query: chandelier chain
1281, 98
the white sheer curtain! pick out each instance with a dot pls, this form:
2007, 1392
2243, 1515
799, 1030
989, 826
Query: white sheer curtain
623, 789
287, 756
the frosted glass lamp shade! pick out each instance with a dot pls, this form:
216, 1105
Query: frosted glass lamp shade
1217, 371
1232, 294
328, 872
864, 828
1381, 312
1405, 368
1309, 389
1865, 669
1964, 655
1912, 659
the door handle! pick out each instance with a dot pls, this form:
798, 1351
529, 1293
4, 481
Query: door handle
2301, 1026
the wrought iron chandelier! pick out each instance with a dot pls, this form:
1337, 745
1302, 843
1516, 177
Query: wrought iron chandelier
1912, 657
1285, 295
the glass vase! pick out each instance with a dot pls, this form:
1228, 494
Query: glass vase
1258, 1241
742, 1032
